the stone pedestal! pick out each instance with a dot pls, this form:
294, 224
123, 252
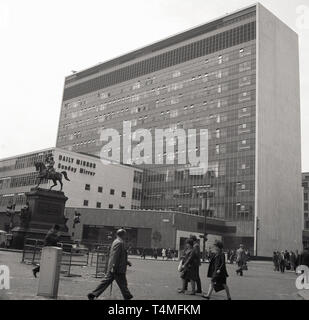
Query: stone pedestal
46, 209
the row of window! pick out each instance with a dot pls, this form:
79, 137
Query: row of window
243, 112
210, 89
111, 191
220, 41
99, 205
243, 97
208, 76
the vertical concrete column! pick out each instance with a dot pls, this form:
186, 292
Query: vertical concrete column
50, 272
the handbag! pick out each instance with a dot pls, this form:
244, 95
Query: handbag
218, 286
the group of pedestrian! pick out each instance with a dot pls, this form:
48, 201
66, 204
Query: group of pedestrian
189, 269
290, 260
168, 254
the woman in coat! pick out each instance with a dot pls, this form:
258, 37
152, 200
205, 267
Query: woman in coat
217, 272
189, 269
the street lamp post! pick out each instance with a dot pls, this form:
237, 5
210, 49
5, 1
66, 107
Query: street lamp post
203, 191
205, 209
76, 220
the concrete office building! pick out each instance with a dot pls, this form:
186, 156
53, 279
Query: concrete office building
238, 77
93, 184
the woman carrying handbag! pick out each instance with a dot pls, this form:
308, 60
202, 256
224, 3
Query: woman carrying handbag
217, 272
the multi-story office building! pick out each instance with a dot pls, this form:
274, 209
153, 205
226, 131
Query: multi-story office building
92, 184
238, 77
306, 208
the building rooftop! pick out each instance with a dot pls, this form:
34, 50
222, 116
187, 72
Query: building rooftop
217, 23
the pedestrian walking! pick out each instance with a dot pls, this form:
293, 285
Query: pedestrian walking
51, 240
189, 268
116, 270
163, 253
240, 260
217, 272
143, 255
155, 253
276, 261
293, 261
196, 252
282, 262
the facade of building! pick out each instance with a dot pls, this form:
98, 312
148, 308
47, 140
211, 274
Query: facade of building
238, 77
93, 184
305, 183
148, 228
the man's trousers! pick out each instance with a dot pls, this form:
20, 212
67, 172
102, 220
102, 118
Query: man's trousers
121, 281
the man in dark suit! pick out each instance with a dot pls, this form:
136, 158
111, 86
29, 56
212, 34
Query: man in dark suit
116, 269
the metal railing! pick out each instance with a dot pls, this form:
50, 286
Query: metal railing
72, 255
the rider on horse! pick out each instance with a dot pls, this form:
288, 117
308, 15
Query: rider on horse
50, 162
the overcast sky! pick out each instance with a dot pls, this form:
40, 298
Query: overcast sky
42, 41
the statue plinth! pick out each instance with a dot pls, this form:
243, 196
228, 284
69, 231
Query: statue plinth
46, 208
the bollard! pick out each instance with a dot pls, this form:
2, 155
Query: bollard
49, 272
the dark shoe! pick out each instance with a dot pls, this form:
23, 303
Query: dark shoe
91, 296
192, 293
181, 291
229, 298
205, 297
129, 297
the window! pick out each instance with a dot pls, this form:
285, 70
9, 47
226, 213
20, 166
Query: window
218, 133
306, 207
217, 149
245, 66
110, 206
86, 203
98, 205
87, 187
100, 189
123, 194
121, 207
112, 191
306, 196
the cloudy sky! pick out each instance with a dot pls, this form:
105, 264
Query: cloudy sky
42, 41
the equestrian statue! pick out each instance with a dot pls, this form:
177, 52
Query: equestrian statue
48, 172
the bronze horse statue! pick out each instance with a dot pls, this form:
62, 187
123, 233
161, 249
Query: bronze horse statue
46, 174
